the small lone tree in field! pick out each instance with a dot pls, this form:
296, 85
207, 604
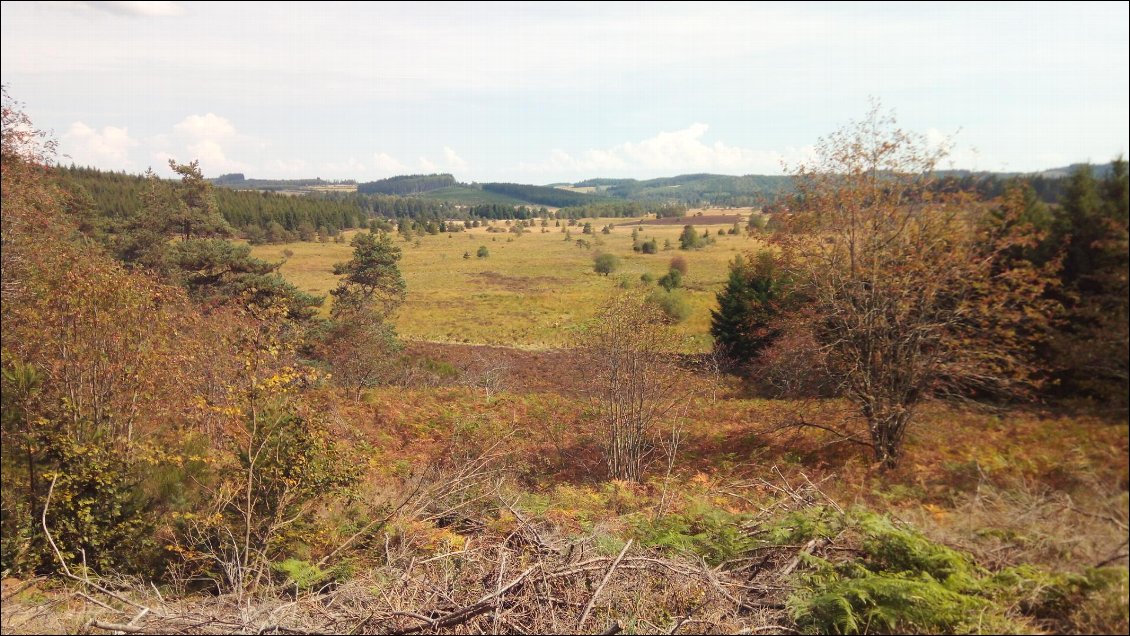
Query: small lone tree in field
673, 279
605, 263
690, 239
360, 344
483, 252
371, 278
908, 292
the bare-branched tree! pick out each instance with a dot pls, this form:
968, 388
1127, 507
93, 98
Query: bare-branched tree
633, 382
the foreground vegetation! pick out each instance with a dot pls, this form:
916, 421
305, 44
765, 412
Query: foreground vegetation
193, 443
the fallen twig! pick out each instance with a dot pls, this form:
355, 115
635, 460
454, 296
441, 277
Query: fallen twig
607, 576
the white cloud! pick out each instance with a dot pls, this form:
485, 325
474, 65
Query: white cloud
213, 159
453, 160
108, 147
387, 165
210, 126
160, 161
667, 153
139, 9
208, 138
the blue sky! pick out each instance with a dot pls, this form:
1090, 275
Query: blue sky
544, 93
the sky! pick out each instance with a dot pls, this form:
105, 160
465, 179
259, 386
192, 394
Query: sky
550, 93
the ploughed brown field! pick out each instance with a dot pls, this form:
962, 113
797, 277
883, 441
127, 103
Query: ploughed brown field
705, 219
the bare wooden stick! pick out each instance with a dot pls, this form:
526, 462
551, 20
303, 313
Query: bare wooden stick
117, 627
43, 521
498, 588
807, 549
607, 576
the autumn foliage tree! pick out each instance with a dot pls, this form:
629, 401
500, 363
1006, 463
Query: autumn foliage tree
909, 294
92, 377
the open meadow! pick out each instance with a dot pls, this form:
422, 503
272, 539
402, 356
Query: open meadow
534, 289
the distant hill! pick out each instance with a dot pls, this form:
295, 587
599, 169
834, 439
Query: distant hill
690, 190
407, 184
471, 195
695, 189
1099, 170
543, 195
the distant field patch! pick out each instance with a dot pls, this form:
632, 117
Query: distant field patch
700, 218
534, 291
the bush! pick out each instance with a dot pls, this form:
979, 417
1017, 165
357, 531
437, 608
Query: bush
679, 263
605, 263
902, 582
712, 533
671, 280
672, 303
483, 252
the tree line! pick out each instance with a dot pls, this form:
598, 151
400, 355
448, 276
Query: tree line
106, 200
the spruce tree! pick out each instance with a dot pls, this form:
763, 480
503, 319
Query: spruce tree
743, 324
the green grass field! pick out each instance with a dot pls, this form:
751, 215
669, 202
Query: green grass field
533, 290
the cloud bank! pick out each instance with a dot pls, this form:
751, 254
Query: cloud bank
665, 154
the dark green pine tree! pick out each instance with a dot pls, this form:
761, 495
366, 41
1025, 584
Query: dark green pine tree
1092, 349
1080, 226
743, 324
372, 278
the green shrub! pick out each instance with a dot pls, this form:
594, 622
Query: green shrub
300, 573
673, 304
671, 280
605, 263
902, 582
713, 534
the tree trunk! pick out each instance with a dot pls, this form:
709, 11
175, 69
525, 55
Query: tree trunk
887, 430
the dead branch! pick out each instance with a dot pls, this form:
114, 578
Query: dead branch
116, 627
465, 614
607, 576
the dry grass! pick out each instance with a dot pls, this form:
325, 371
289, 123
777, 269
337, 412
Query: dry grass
533, 291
